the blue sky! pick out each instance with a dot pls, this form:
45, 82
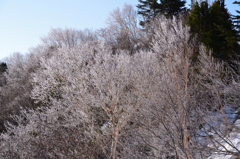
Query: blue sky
23, 22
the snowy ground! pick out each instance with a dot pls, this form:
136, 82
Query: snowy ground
231, 142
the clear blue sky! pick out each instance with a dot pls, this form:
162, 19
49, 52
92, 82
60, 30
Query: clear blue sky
23, 22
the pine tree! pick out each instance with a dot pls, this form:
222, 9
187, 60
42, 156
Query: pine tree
236, 20
214, 28
171, 7
148, 9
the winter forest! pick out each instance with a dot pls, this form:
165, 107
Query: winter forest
158, 82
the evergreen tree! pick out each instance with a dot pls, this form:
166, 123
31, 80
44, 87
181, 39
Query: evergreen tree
172, 7
236, 20
214, 28
148, 9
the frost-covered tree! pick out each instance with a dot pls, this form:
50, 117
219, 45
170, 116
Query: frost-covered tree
16, 93
107, 88
122, 31
186, 96
68, 37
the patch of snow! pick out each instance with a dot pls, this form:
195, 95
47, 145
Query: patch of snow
233, 144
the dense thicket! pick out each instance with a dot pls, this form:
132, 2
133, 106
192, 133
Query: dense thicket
85, 94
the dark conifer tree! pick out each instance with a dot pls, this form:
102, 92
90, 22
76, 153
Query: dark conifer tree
214, 28
236, 20
148, 9
172, 7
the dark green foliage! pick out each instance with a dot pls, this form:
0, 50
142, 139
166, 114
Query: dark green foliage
236, 20
214, 28
148, 9
172, 7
